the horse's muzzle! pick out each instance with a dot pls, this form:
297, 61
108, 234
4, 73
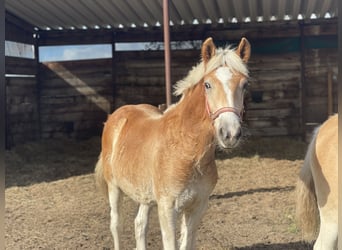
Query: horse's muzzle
229, 138
228, 130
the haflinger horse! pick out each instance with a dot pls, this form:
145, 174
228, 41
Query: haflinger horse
168, 158
317, 188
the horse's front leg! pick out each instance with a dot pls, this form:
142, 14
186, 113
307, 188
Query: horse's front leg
141, 222
167, 219
190, 221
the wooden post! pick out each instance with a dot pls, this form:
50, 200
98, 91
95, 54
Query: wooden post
302, 86
2, 124
38, 87
167, 56
330, 94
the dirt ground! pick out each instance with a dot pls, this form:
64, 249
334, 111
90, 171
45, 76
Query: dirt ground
52, 203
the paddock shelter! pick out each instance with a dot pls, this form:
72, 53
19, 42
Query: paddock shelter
293, 67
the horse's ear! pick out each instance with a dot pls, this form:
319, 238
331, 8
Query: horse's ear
244, 50
208, 50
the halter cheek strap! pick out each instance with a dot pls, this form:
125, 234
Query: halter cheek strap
216, 114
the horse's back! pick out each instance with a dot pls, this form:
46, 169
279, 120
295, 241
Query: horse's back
135, 117
139, 111
325, 172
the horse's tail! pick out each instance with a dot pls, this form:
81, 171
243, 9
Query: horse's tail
307, 213
101, 183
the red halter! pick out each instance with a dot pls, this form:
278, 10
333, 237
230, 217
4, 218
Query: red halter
223, 110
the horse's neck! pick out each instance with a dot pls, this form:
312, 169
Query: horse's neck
191, 117
191, 108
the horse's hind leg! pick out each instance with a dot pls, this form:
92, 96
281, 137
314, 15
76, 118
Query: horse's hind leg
141, 221
190, 222
114, 194
327, 237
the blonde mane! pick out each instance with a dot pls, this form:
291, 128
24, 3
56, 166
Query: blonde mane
223, 57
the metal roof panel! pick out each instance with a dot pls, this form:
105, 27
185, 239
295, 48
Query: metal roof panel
64, 14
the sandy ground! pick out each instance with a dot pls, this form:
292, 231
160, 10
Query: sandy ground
52, 203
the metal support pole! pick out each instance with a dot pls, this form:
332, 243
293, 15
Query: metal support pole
167, 54
114, 83
38, 87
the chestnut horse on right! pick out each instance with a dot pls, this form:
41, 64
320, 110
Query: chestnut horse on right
317, 188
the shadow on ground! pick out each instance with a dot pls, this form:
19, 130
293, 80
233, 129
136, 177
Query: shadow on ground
50, 160
252, 191
56, 159
278, 246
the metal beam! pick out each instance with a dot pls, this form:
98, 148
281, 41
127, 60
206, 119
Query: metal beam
167, 53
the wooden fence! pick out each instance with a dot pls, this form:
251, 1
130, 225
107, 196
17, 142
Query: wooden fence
22, 115
320, 87
273, 106
73, 98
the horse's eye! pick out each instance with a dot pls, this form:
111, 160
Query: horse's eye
207, 85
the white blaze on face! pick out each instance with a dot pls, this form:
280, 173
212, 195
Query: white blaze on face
224, 75
228, 123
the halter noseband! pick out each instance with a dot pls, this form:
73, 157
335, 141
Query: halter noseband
216, 114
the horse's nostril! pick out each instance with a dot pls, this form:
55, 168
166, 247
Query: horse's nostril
225, 134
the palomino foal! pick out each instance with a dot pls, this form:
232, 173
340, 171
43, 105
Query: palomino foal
317, 188
168, 158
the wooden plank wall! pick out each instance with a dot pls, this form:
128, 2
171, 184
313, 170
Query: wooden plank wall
273, 102
75, 97
139, 78
140, 75
22, 117
72, 93
318, 63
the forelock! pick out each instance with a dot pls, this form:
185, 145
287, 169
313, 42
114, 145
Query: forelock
224, 57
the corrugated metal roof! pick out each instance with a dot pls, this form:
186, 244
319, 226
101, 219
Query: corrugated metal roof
95, 14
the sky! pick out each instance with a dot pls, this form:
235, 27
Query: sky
66, 53
79, 52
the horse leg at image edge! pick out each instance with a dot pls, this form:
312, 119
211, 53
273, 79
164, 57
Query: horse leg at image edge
114, 194
190, 222
327, 237
141, 222
167, 219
